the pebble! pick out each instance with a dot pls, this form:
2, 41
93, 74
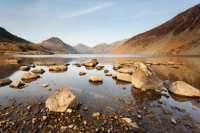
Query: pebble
97, 114
33, 120
173, 121
44, 118
69, 111
70, 126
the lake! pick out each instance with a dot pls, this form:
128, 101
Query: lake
153, 112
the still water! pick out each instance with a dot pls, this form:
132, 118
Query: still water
110, 96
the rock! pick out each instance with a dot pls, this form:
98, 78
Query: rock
91, 63
38, 71
173, 121
17, 84
109, 74
58, 68
114, 75
77, 64
4, 82
95, 79
44, 118
45, 85
106, 71
129, 122
61, 100
116, 67
184, 89
96, 114
82, 73
69, 111
33, 120
99, 67
126, 70
124, 77
144, 78
29, 76
24, 68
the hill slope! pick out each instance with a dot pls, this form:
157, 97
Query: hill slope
13, 43
83, 49
56, 45
180, 35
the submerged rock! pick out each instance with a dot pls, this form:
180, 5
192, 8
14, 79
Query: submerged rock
61, 100
58, 68
24, 68
4, 82
38, 71
124, 77
28, 76
95, 79
184, 89
144, 78
17, 84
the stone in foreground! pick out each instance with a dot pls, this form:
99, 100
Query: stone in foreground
61, 100
58, 68
17, 84
95, 79
4, 82
28, 76
38, 71
184, 89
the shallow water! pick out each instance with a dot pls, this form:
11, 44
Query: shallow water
110, 96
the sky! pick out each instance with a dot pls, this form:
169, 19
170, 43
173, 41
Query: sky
86, 21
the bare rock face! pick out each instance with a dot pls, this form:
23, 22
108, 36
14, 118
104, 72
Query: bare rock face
95, 79
38, 70
144, 78
28, 77
24, 68
17, 84
126, 77
4, 82
91, 63
61, 100
184, 89
58, 68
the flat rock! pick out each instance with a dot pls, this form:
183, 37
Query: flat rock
28, 76
184, 89
95, 79
17, 84
38, 70
58, 68
61, 100
4, 82
124, 77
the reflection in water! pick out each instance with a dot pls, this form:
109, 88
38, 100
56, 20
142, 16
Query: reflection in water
110, 94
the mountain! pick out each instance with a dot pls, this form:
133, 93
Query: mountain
12, 43
83, 49
105, 47
180, 35
56, 45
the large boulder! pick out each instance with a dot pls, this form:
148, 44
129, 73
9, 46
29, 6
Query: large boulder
38, 70
91, 63
144, 78
61, 100
28, 77
58, 68
24, 68
184, 89
126, 77
4, 82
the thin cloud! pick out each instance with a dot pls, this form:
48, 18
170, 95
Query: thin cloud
86, 11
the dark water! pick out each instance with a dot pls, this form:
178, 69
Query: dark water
111, 95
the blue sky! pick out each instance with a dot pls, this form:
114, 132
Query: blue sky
86, 21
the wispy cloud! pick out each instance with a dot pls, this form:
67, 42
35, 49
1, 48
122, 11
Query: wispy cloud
86, 11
